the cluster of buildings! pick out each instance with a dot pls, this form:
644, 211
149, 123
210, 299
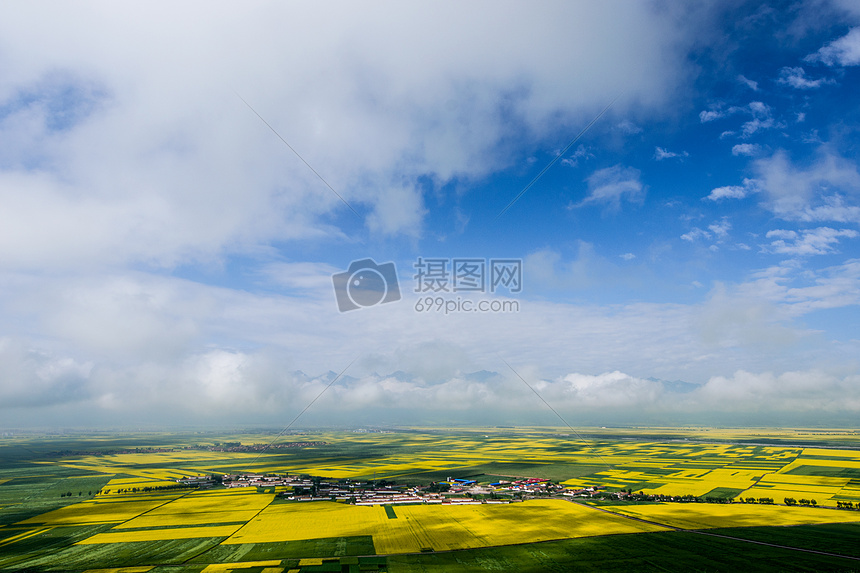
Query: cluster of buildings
306, 488
264, 480
534, 486
453, 491
239, 447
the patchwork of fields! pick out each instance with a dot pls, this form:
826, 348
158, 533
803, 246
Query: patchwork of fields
88, 511
422, 527
754, 471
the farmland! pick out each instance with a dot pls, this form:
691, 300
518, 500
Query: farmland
85, 503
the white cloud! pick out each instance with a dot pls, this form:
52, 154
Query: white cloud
746, 149
608, 390
799, 391
798, 290
611, 185
581, 152
232, 382
762, 117
303, 276
711, 115
628, 256
808, 193
807, 242
752, 126
733, 191
844, 51
695, 234
796, 78
160, 163
661, 154
718, 231
759, 108
400, 209
547, 268
832, 209
33, 378
144, 346
628, 127
748, 82
728, 192
733, 317
721, 229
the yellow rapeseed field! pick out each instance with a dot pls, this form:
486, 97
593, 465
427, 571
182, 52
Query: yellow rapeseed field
779, 486
153, 519
439, 527
122, 570
227, 567
217, 501
94, 512
466, 526
831, 453
200, 508
710, 515
292, 522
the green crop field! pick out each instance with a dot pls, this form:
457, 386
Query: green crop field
102, 503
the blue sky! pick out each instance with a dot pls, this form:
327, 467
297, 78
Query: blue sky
165, 258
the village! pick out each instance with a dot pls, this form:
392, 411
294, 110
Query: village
453, 491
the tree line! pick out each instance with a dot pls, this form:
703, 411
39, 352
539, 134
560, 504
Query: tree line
804, 501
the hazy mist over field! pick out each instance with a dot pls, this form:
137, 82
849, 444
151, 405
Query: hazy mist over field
166, 257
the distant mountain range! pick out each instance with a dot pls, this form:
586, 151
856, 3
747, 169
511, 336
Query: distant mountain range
676, 386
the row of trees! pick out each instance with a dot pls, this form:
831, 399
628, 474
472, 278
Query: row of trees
766, 500
69, 494
150, 488
804, 501
630, 495
847, 505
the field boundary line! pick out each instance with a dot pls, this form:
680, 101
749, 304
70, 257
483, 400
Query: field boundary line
25, 535
151, 509
755, 483
238, 529
815, 551
702, 532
